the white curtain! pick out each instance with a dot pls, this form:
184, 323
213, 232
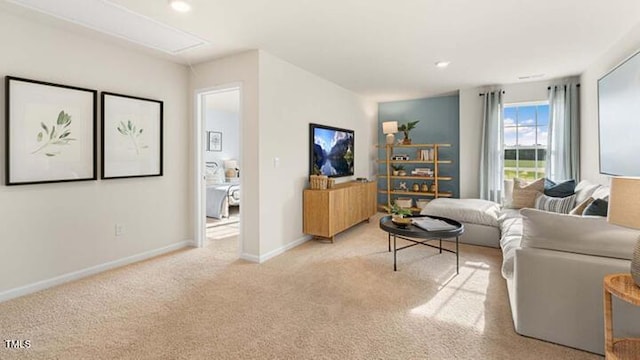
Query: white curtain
491, 156
563, 142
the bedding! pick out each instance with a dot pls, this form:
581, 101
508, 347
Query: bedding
220, 197
220, 194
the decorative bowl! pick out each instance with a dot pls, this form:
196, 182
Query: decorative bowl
401, 222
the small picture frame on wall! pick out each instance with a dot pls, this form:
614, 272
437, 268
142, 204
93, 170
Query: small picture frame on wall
50, 132
215, 141
131, 136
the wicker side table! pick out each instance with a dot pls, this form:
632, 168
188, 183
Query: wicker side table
623, 287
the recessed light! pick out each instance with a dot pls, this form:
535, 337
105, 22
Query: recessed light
442, 64
180, 5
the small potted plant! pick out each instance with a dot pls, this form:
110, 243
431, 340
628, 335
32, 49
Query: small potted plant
406, 128
397, 169
398, 216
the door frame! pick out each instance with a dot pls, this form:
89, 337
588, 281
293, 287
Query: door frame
199, 183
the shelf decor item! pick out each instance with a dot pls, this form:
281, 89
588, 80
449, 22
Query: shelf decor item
50, 132
418, 168
131, 136
318, 182
390, 128
406, 128
624, 210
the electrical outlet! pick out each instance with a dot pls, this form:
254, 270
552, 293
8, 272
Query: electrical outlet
119, 229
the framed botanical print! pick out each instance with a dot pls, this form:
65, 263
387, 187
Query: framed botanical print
131, 136
50, 132
215, 141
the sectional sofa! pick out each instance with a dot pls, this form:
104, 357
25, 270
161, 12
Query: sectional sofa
553, 265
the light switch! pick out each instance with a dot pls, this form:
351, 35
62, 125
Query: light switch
276, 162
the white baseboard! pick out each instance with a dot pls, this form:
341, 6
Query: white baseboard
44, 284
250, 257
289, 246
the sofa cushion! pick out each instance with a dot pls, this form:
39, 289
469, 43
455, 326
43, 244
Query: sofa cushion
584, 190
511, 227
601, 192
474, 211
559, 190
577, 234
560, 205
598, 207
579, 208
524, 196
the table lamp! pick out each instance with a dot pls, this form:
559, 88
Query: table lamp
390, 128
231, 167
624, 210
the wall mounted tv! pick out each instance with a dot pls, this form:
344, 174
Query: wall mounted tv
619, 119
331, 151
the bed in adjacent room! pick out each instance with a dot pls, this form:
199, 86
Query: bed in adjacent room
220, 194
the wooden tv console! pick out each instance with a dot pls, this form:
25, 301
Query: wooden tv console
328, 212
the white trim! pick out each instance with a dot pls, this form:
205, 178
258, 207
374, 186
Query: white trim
273, 253
58, 280
199, 201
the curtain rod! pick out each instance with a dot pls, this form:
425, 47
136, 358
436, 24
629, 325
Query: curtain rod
482, 94
549, 87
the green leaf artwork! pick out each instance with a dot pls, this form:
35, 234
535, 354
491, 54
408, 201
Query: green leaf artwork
55, 137
131, 131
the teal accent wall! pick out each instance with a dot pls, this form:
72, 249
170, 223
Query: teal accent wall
439, 123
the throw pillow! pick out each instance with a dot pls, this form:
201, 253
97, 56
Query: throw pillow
598, 207
524, 196
555, 204
559, 190
579, 209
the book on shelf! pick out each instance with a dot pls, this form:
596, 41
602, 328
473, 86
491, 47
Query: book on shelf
430, 224
426, 155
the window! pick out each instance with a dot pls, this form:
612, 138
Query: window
526, 127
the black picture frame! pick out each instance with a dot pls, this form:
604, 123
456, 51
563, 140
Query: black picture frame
50, 132
132, 136
214, 141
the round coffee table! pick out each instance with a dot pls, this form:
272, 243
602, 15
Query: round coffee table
420, 236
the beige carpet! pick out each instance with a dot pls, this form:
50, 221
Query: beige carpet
317, 301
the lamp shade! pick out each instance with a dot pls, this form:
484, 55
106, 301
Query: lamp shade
390, 127
230, 164
624, 202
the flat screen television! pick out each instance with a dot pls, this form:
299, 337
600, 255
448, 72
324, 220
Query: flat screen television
331, 151
619, 119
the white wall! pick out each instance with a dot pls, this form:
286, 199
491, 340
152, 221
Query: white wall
290, 99
589, 158
50, 230
243, 69
228, 123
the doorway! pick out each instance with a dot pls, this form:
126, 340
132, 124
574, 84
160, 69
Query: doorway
219, 163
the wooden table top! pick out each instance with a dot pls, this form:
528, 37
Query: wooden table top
623, 287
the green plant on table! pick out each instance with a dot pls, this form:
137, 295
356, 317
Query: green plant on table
398, 211
397, 167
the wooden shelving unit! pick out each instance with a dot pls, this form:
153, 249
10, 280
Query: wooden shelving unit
433, 163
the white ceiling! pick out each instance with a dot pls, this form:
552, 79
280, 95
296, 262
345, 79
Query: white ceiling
386, 50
